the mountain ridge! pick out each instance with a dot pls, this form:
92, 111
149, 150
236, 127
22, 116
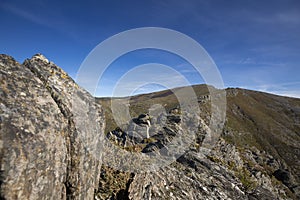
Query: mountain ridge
195, 85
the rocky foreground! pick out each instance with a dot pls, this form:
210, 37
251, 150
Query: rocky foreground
52, 134
43, 154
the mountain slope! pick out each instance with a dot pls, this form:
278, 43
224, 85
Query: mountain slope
260, 145
266, 121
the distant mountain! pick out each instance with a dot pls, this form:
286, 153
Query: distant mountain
56, 142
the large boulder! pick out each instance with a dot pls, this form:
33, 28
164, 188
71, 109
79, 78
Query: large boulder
45, 151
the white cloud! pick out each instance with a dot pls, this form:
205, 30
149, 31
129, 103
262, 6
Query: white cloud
290, 89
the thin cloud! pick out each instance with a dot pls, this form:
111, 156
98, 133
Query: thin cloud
284, 89
32, 15
289, 17
44, 15
24, 14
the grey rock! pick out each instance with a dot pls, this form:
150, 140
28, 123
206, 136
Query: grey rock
46, 153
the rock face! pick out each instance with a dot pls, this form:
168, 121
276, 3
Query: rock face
45, 151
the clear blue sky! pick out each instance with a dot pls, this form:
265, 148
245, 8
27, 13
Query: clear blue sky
255, 44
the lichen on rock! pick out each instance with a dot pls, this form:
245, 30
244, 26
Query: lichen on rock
44, 152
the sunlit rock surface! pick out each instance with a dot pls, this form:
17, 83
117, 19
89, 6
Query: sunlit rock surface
45, 151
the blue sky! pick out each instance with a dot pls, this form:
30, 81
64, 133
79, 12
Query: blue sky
255, 44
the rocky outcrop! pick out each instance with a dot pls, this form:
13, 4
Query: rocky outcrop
49, 133
225, 172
